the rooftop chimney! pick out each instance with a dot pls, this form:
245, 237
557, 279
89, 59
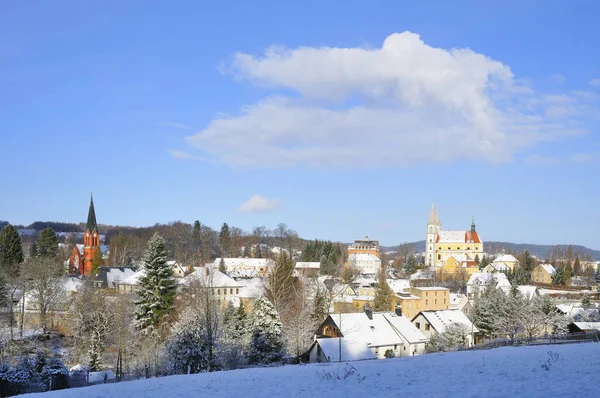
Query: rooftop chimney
369, 312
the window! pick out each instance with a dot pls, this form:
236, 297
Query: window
418, 325
444, 301
418, 304
426, 294
426, 302
436, 294
457, 248
230, 291
435, 301
395, 347
427, 327
219, 292
468, 248
237, 291
439, 256
449, 248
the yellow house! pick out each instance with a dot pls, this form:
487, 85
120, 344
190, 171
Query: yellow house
543, 274
458, 263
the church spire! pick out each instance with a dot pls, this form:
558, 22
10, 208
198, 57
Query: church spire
91, 221
431, 215
473, 224
437, 215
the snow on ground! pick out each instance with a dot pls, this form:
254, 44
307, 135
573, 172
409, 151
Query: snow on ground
548, 371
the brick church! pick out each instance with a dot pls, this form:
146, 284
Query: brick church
81, 257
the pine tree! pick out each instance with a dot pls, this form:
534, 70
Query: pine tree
411, 264
225, 240
282, 285
383, 293
96, 262
11, 250
585, 301
47, 243
187, 347
266, 345
222, 267
157, 288
320, 309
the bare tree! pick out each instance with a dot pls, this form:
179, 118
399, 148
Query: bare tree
45, 286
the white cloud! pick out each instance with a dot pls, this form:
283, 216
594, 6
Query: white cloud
257, 204
595, 82
581, 158
402, 104
182, 155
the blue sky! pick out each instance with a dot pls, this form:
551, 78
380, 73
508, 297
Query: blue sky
341, 119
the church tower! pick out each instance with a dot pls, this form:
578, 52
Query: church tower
91, 241
434, 226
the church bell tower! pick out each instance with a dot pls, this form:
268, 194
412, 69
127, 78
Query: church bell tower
434, 226
91, 241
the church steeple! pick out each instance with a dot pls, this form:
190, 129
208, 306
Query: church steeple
91, 221
473, 224
437, 215
431, 219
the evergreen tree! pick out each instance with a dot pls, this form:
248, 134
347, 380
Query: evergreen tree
383, 293
320, 310
266, 344
577, 267
47, 243
225, 240
157, 288
234, 340
187, 348
96, 263
197, 238
222, 267
11, 250
411, 264
282, 285
585, 302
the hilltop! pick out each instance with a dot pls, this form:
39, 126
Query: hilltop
504, 372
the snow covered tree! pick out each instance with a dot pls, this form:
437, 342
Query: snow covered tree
225, 240
157, 288
585, 301
187, 348
234, 340
222, 267
266, 344
11, 256
455, 336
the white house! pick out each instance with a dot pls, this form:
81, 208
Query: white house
508, 260
495, 267
222, 286
307, 267
480, 281
365, 263
178, 270
384, 333
429, 322
246, 267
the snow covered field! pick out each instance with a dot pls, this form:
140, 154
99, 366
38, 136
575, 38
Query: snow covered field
538, 371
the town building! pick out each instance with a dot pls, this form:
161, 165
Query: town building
385, 334
464, 246
245, 267
479, 282
543, 273
430, 322
363, 255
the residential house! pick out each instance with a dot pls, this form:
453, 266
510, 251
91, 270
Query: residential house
528, 291
507, 260
584, 327
480, 281
131, 283
458, 263
178, 270
246, 267
222, 286
307, 268
110, 277
460, 302
492, 268
363, 255
543, 274
384, 333
430, 322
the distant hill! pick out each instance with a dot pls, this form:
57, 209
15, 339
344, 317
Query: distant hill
540, 251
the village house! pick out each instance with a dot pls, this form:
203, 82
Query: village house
480, 281
363, 255
430, 322
307, 268
460, 302
245, 267
543, 274
110, 277
223, 287
385, 334
528, 291
505, 260
492, 268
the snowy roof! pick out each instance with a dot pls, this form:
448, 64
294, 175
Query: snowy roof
484, 278
505, 258
461, 257
497, 267
588, 325
253, 287
72, 284
440, 320
431, 288
527, 291
451, 236
398, 285
352, 350
133, 279
457, 301
570, 309
211, 277
308, 265
548, 268
114, 276
250, 262
385, 328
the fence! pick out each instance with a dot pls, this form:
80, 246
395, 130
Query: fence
570, 338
